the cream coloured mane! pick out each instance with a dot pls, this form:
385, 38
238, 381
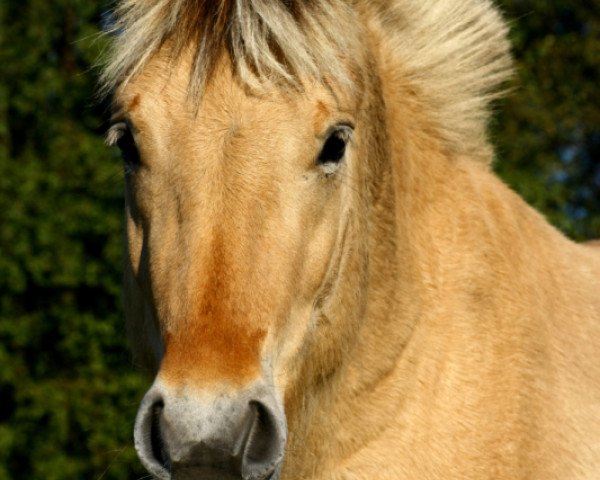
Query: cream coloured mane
455, 51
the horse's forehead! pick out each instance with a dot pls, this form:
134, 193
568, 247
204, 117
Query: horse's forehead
159, 93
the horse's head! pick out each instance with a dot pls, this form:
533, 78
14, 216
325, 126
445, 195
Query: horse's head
261, 179
243, 260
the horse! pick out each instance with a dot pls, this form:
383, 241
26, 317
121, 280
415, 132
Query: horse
323, 275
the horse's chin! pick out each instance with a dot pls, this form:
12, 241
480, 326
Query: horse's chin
208, 473
201, 473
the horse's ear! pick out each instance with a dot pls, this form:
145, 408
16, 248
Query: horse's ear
108, 23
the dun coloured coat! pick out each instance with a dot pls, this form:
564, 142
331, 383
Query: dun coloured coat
323, 274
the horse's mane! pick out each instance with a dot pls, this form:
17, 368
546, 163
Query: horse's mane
458, 54
455, 52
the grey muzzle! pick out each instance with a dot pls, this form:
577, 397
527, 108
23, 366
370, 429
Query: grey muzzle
184, 434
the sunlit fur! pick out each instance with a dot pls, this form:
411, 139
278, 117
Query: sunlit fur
419, 320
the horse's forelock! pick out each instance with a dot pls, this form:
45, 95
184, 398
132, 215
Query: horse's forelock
270, 42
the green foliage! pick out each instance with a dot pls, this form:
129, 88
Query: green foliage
68, 393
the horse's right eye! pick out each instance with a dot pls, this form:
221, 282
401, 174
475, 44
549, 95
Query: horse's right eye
121, 135
129, 150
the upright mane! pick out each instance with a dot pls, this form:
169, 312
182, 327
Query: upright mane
455, 53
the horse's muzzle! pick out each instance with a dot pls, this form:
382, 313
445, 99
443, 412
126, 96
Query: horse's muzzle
188, 435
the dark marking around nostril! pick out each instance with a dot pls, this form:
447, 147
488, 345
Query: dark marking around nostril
262, 444
156, 440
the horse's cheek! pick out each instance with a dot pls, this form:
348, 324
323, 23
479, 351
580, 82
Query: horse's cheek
320, 254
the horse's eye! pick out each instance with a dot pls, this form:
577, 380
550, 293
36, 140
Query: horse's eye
334, 147
129, 150
120, 135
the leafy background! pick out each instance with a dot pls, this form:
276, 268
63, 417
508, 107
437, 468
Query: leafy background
68, 391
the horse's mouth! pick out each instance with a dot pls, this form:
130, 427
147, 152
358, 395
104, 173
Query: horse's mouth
210, 473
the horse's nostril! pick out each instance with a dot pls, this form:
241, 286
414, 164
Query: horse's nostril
156, 441
264, 444
149, 441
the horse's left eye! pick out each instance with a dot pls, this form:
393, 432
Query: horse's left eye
334, 148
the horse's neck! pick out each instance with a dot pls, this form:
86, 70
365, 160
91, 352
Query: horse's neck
475, 334
472, 296
470, 292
